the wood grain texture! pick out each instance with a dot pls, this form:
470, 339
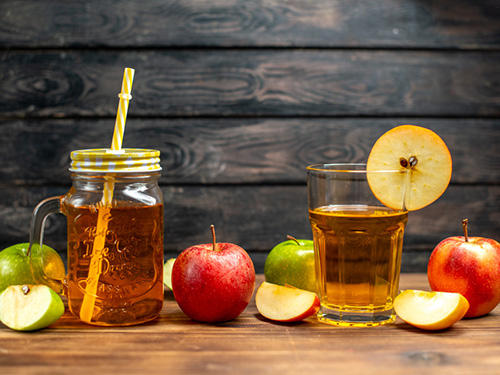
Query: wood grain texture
252, 83
236, 151
174, 344
259, 217
240, 96
255, 23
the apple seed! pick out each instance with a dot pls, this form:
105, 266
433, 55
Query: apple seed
25, 289
410, 163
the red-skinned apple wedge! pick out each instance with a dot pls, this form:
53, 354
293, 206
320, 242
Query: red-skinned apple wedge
285, 303
469, 266
213, 282
430, 310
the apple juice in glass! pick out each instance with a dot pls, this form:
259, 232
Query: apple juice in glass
357, 243
114, 213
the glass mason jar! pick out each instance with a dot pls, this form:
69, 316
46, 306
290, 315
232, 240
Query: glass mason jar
114, 213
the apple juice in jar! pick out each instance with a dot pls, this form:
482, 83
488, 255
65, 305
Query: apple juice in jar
130, 288
115, 250
358, 257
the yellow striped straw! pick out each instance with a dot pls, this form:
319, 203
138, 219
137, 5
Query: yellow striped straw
121, 115
104, 208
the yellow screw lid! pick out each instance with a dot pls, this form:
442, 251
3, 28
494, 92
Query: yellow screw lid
115, 161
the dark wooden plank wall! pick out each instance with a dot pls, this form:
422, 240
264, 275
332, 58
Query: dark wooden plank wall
240, 96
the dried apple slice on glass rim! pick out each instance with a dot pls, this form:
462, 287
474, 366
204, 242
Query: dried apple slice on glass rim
418, 149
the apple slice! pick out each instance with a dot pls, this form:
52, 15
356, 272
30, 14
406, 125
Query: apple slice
167, 273
285, 303
30, 307
430, 310
415, 148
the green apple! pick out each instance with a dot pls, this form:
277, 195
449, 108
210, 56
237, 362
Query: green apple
29, 307
15, 265
167, 273
292, 262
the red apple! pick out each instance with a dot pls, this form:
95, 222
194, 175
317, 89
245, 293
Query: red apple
213, 282
285, 303
469, 266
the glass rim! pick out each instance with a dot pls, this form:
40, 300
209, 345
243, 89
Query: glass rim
348, 168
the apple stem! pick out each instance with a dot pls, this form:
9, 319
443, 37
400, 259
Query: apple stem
466, 232
212, 228
293, 239
25, 289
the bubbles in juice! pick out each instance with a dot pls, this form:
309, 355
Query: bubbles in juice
130, 278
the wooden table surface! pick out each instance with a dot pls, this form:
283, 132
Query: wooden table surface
174, 344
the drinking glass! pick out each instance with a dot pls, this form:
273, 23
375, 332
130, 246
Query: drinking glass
357, 243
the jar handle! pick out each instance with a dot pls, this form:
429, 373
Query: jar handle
41, 274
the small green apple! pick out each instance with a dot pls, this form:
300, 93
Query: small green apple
167, 273
29, 307
15, 265
292, 262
